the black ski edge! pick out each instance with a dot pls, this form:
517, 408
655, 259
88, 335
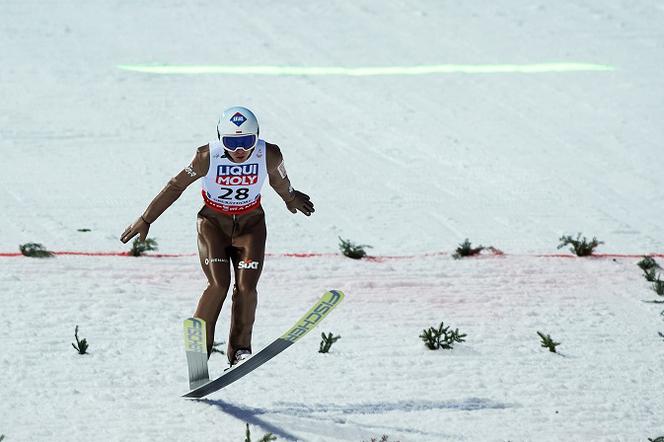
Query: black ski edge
238, 372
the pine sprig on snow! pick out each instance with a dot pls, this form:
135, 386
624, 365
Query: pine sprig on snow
383, 438
267, 438
580, 246
548, 342
649, 267
657, 439
327, 342
650, 275
466, 249
35, 250
441, 337
648, 263
139, 247
658, 286
351, 250
80, 346
215, 348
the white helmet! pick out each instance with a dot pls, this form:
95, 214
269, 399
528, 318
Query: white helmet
238, 129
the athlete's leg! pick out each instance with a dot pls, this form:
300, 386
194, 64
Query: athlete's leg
213, 252
247, 256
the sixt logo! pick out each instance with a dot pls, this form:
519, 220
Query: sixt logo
240, 175
313, 318
248, 265
238, 119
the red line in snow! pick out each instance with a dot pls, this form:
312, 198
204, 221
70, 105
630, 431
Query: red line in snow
153, 255
302, 255
602, 255
368, 258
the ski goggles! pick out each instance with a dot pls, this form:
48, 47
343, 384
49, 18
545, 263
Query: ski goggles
235, 142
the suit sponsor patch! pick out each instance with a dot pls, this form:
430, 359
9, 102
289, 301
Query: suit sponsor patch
282, 169
190, 170
237, 175
248, 264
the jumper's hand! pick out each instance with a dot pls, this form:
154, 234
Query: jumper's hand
301, 202
140, 227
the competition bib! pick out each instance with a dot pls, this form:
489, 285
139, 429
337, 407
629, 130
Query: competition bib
234, 188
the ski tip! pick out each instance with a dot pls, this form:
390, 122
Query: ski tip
336, 293
193, 320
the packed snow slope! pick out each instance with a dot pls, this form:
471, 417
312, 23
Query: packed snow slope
410, 164
604, 384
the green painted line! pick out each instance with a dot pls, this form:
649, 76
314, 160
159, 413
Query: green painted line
368, 71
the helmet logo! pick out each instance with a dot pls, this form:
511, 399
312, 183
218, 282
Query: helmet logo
238, 119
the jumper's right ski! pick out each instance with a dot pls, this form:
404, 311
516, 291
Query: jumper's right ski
323, 306
196, 349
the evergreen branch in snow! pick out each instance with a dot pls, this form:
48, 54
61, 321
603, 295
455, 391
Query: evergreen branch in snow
327, 342
466, 249
580, 246
215, 348
35, 250
547, 342
441, 337
82, 345
267, 438
648, 263
139, 247
351, 250
650, 268
658, 286
661, 335
383, 438
657, 439
650, 275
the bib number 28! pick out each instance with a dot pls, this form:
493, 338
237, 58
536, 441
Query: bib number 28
230, 193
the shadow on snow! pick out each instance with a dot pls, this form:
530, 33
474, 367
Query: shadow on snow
469, 404
249, 415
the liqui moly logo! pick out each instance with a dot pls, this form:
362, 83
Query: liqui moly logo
237, 119
237, 175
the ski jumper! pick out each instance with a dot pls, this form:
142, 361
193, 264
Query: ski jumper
231, 230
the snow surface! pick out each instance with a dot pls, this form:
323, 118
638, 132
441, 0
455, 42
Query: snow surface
411, 165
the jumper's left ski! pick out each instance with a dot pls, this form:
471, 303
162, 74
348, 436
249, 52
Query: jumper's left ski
325, 304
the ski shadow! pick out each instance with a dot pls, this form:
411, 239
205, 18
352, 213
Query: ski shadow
332, 415
250, 416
